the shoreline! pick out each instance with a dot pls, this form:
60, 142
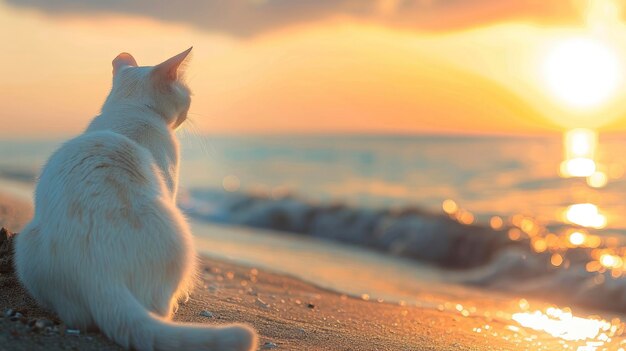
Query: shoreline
291, 314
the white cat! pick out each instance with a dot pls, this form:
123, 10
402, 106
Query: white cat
107, 247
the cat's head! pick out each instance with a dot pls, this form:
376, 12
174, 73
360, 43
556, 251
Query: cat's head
158, 88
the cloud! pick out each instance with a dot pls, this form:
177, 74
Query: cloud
251, 17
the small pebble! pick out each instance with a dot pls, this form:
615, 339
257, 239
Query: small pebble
42, 324
310, 305
269, 346
206, 313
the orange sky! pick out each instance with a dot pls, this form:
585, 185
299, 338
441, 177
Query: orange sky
315, 74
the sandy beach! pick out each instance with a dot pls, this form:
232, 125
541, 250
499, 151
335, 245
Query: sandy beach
287, 313
290, 314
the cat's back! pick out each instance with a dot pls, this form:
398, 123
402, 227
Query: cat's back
97, 167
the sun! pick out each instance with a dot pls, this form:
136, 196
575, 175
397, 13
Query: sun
582, 72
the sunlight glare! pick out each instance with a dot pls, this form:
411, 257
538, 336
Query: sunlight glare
582, 72
580, 143
597, 180
611, 261
580, 149
577, 238
586, 215
562, 324
578, 167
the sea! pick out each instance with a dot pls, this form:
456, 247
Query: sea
485, 212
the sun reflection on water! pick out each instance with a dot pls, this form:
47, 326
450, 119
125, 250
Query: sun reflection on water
577, 238
611, 261
578, 167
580, 149
578, 241
563, 324
547, 329
598, 179
586, 215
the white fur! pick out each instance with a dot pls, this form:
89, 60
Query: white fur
107, 247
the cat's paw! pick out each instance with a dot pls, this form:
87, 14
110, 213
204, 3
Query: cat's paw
237, 338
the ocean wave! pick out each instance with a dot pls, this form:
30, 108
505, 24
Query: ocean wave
407, 232
476, 254
518, 272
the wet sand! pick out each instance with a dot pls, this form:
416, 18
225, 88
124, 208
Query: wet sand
290, 314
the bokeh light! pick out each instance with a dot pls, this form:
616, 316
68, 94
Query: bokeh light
586, 215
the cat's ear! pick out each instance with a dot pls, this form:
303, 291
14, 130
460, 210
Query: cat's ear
168, 70
122, 60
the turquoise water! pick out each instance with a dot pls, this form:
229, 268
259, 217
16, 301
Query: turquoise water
485, 175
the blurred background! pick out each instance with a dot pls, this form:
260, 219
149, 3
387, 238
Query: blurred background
478, 135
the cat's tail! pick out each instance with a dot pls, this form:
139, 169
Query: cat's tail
121, 317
